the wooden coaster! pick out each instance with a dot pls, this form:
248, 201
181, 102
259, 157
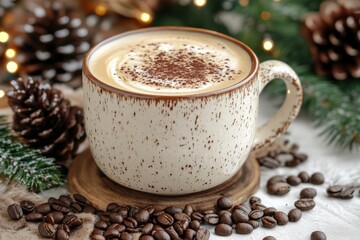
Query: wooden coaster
85, 178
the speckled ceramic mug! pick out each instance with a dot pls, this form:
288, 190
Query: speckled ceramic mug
180, 144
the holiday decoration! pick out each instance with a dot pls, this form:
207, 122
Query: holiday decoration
52, 42
25, 165
45, 120
333, 36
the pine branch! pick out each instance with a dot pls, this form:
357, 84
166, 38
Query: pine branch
24, 165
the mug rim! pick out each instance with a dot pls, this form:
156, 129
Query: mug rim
91, 77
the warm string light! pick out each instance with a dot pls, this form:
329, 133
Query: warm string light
12, 67
244, 3
145, 17
200, 3
4, 37
100, 9
268, 44
2, 93
265, 15
10, 53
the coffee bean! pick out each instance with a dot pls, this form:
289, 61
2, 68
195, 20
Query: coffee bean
270, 211
54, 217
197, 216
46, 230
293, 163
51, 199
165, 219
43, 208
105, 216
256, 214
347, 193
239, 216
207, 212
182, 217
97, 237
293, 180
27, 206
72, 221
278, 189
243, 208
142, 216
243, 228
304, 176
318, 235
66, 199
334, 191
61, 235
126, 236
211, 218
80, 199
112, 207
317, 178
111, 233
189, 234
180, 227
305, 204
294, 215
130, 222
97, 231
281, 218
225, 217
116, 218
253, 223
75, 207
254, 199
15, 212
269, 162
161, 235
147, 228
258, 206
173, 210
268, 222
195, 224
33, 217
224, 203
276, 179
172, 233
223, 229
63, 227
60, 206
188, 209
88, 208
269, 238
308, 193
202, 234
132, 210
150, 209
146, 237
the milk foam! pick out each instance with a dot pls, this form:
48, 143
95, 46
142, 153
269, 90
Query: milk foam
170, 62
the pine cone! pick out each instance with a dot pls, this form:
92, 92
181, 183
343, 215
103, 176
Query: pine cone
45, 120
333, 36
52, 42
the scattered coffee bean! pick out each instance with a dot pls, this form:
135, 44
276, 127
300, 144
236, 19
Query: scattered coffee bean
182, 217
128, 236
281, 218
33, 217
254, 199
308, 193
225, 217
116, 218
165, 219
293, 180
202, 234
347, 193
276, 179
43, 208
256, 214
293, 163
180, 227
173, 210
75, 207
238, 216
224, 203
27, 206
188, 209
54, 217
88, 208
243, 228
294, 215
161, 235
304, 176
65, 228
270, 211
146, 237
72, 221
15, 212
211, 218
61, 235
341, 192
112, 207
97, 237
253, 223
111, 233
279, 188
305, 204
60, 206
189, 234
172, 233
223, 229
66, 199
269, 162
46, 230
269, 238
268, 222
318, 235
80, 199
131, 222
243, 208
317, 178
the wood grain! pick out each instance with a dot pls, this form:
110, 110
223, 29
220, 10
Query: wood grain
86, 178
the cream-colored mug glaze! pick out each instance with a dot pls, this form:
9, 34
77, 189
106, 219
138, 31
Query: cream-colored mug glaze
175, 145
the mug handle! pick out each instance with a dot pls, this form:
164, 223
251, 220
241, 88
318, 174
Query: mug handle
269, 70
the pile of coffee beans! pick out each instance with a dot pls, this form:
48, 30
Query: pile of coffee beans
281, 185
56, 217
285, 155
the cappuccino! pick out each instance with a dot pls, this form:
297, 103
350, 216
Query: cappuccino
170, 63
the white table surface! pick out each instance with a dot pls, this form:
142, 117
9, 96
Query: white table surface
339, 219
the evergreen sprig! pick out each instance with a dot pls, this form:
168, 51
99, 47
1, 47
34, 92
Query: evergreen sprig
25, 165
334, 105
